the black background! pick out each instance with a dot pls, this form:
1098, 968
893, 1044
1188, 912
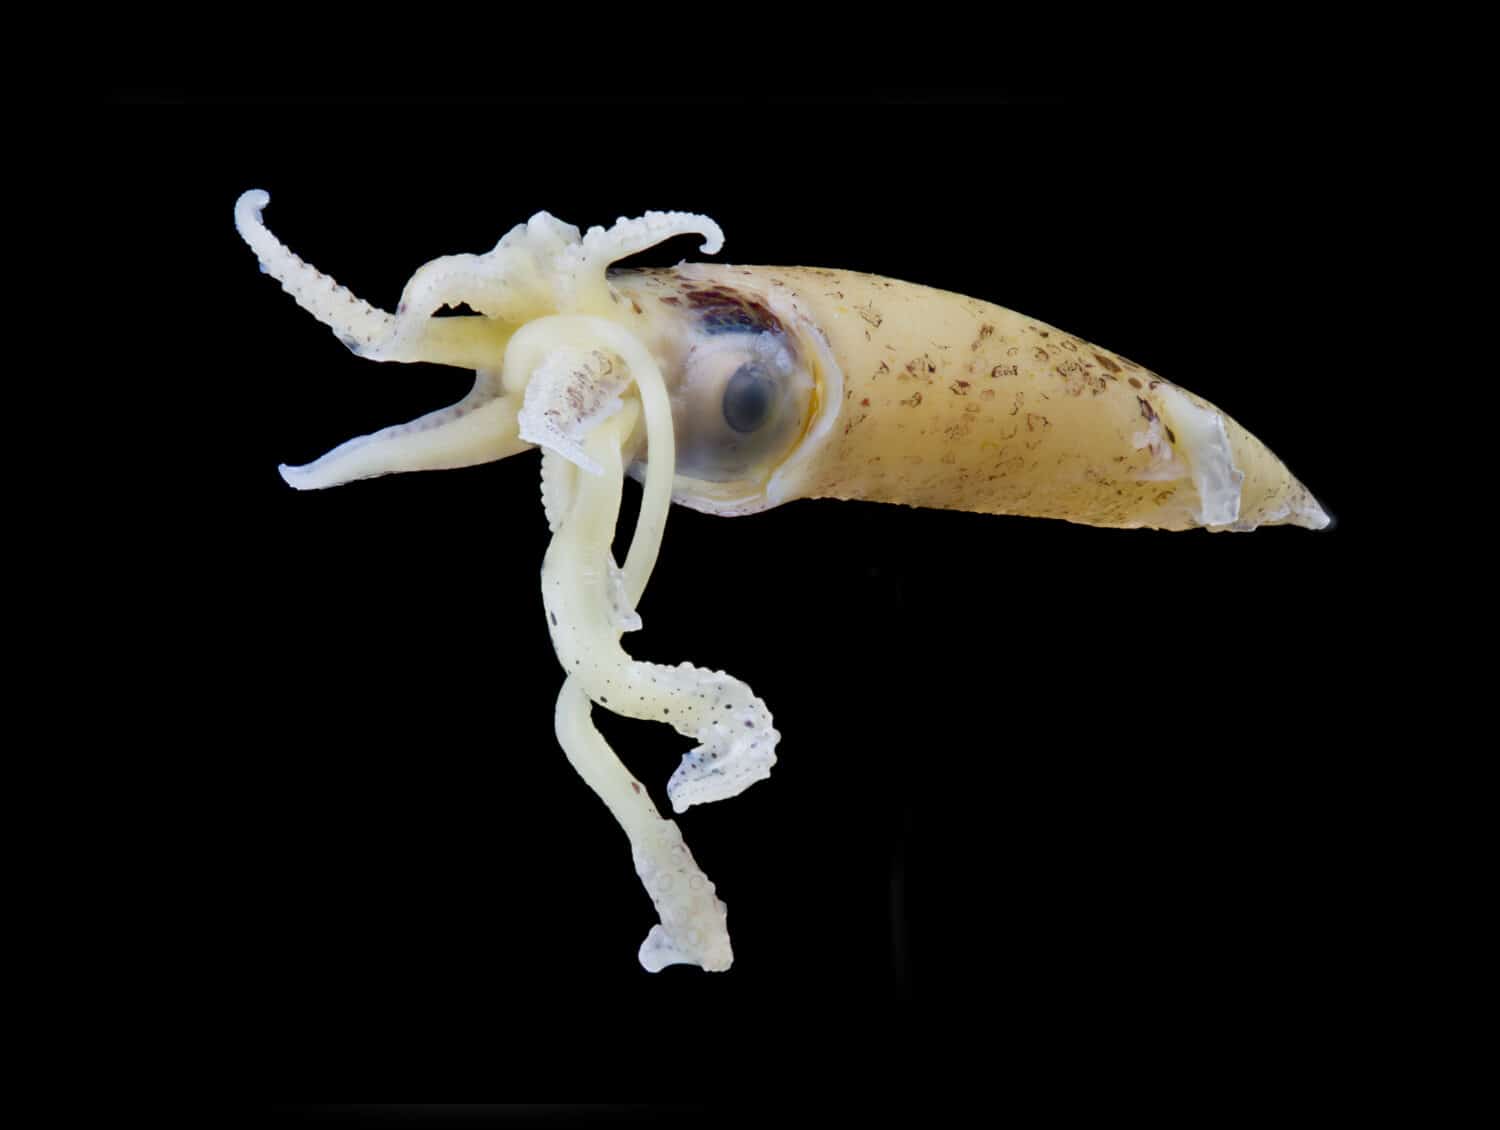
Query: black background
1052, 802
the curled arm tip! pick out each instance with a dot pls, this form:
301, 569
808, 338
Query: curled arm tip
249, 204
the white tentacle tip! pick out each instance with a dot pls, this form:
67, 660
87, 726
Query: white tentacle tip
300, 477
248, 207
694, 921
712, 243
659, 951
712, 233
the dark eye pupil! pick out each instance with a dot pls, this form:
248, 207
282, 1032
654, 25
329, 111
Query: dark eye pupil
748, 396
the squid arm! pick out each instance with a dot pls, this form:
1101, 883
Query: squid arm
732, 390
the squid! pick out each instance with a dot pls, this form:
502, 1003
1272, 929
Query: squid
731, 390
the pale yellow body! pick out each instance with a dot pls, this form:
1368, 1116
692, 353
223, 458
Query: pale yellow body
948, 401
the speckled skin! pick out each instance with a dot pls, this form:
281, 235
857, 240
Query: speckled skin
952, 402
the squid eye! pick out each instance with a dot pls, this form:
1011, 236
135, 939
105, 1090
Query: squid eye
740, 388
748, 397
738, 403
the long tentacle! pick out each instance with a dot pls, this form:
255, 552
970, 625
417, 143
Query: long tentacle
582, 588
693, 927
590, 603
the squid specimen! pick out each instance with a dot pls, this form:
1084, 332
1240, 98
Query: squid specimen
732, 390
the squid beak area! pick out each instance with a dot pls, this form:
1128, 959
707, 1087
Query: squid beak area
480, 428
